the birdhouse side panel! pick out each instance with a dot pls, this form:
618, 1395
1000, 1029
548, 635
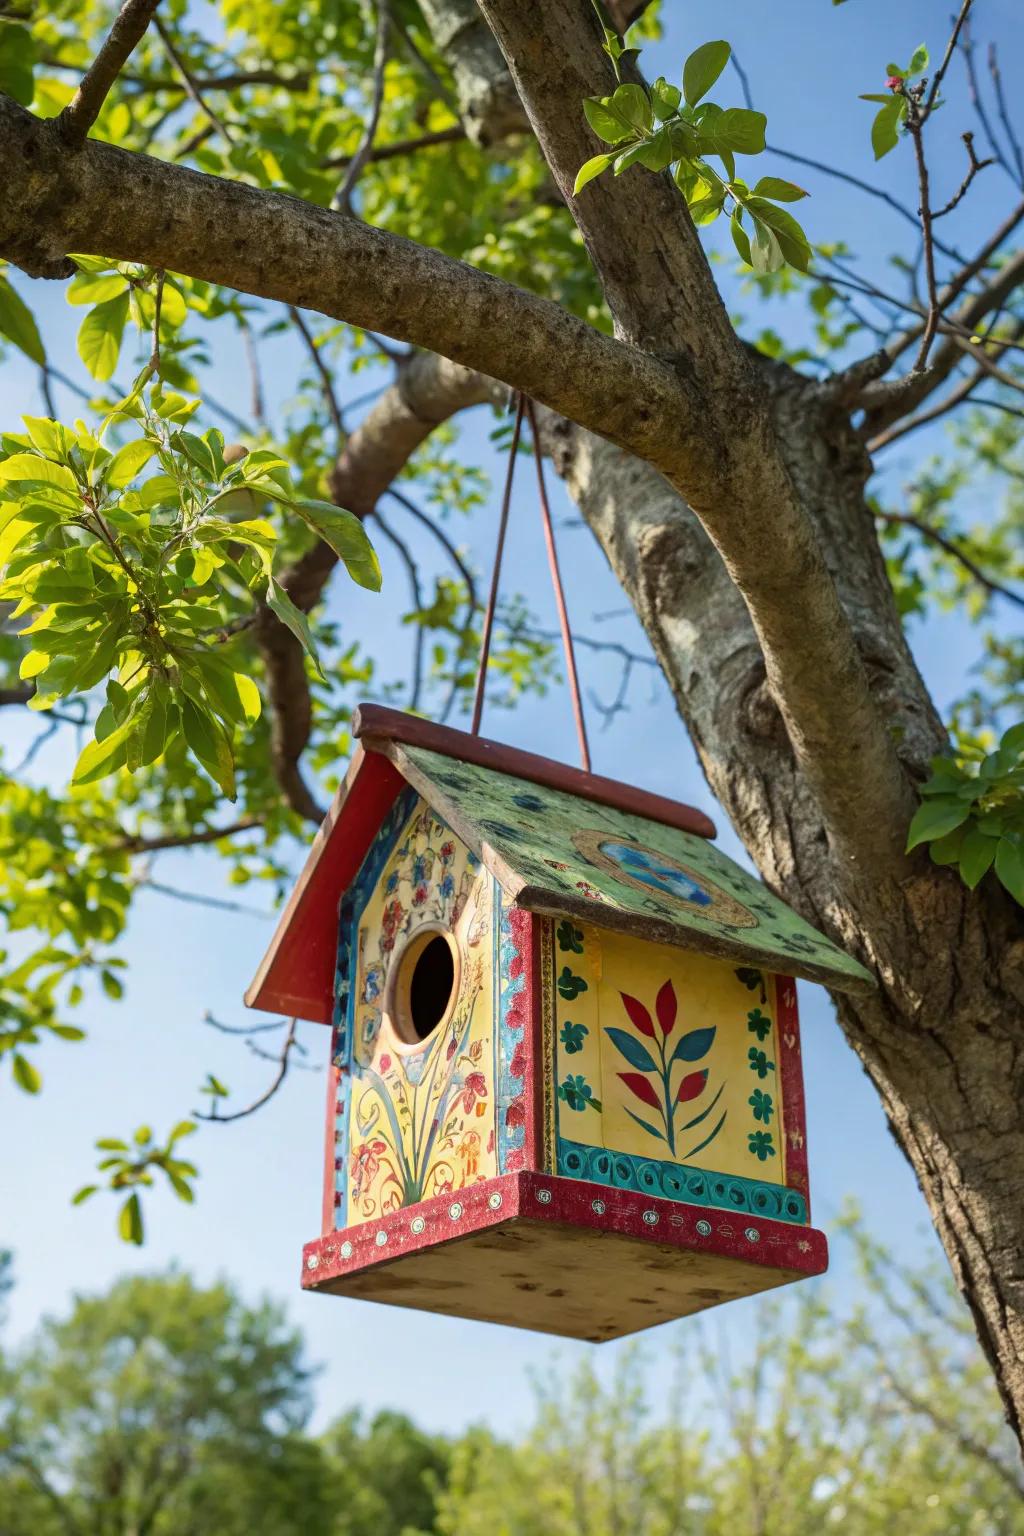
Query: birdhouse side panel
674, 1075
416, 1117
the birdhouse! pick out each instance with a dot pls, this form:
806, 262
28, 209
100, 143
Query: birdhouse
565, 1088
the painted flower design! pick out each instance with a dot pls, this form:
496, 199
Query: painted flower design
391, 885
759, 1062
474, 1087
761, 1103
659, 874
420, 894
556, 864
759, 1024
447, 852
761, 1145
586, 889
391, 921
570, 986
577, 1093
366, 1164
447, 886
573, 1036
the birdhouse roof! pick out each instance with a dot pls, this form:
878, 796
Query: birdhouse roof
558, 841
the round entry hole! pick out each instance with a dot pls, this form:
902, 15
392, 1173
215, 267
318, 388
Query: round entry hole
425, 986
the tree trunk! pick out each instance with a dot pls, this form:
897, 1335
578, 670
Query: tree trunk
943, 1040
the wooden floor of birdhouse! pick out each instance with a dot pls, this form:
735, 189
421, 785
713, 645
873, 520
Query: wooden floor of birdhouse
561, 1256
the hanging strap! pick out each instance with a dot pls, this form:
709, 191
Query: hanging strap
523, 405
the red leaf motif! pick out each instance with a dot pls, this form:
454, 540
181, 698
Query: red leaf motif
515, 1115
639, 1085
665, 1007
517, 1066
638, 1015
691, 1086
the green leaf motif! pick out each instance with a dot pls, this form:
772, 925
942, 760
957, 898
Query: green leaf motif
570, 938
628, 1046
570, 986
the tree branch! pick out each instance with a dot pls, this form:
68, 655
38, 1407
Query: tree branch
906, 520
343, 197
185, 839
129, 28
283, 1059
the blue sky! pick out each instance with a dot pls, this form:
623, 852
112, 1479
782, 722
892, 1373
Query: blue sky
259, 1194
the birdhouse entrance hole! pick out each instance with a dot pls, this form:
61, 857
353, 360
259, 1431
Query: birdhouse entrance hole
425, 984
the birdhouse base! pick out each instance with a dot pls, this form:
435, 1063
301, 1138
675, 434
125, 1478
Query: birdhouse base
561, 1256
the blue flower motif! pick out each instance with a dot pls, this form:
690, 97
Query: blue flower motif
392, 883
447, 887
659, 874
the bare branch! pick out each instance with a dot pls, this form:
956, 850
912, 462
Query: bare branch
379, 152
191, 85
129, 28
412, 571
1004, 116
324, 373
940, 73
343, 197
191, 839
250, 1109
975, 165
964, 389
232, 81
198, 899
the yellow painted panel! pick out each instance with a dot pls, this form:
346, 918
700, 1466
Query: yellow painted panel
667, 1055
422, 1115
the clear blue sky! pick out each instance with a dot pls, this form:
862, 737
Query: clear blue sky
259, 1195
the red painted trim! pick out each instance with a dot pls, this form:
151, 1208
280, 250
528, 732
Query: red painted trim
526, 930
296, 976
566, 1202
791, 1077
328, 1215
374, 723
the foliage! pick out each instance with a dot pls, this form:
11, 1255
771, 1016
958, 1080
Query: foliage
167, 1407
665, 126
128, 1166
972, 814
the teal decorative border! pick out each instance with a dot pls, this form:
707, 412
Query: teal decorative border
671, 1181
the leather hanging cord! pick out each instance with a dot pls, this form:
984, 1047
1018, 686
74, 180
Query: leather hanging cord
556, 582
485, 639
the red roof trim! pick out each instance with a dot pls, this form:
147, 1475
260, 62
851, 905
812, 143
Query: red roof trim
373, 724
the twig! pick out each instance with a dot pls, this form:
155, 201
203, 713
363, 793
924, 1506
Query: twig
974, 93
905, 519
234, 81
342, 202
975, 166
915, 127
257, 401
242, 1029
402, 147
326, 381
191, 85
416, 689
85, 106
45, 389
158, 302
937, 79
250, 1109
219, 903
1004, 116
965, 388
185, 839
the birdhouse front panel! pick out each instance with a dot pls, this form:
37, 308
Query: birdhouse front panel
673, 1076
414, 1037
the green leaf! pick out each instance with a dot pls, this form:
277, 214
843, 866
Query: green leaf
17, 321
294, 619
919, 61
183, 1128
129, 1222
95, 287
779, 190
17, 56
142, 1135
30, 469
209, 743
977, 852
665, 99
346, 535
606, 123
936, 818
736, 131
25, 1074
127, 462
740, 239
632, 105
100, 758
111, 985
702, 69
791, 239
234, 696
1009, 864
766, 252
99, 336
885, 128
83, 1194
592, 168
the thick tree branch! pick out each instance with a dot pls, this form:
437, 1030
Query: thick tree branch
85, 106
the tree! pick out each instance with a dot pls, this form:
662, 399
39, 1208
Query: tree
387, 1475
726, 476
846, 1420
160, 1407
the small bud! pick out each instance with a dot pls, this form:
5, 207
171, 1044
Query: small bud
234, 452
894, 82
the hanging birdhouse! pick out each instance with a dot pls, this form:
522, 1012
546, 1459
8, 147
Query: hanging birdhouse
565, 1089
